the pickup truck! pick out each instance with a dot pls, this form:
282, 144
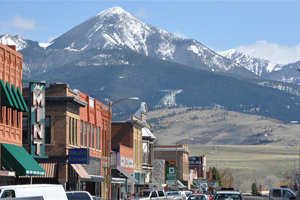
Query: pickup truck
154, 194
281, 194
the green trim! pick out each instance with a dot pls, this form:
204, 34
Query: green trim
22, 99
16, 158
16, 106
14, 91
5, 97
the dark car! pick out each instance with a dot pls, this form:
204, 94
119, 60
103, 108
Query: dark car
228, 195
78, 195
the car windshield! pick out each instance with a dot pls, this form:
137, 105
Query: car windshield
172, 193
192, 197
228, 197
144, 193
188, 193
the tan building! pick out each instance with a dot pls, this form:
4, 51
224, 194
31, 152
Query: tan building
171, 154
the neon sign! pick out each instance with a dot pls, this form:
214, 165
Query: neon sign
37, 118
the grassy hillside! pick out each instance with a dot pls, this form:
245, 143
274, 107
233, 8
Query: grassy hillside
221, 127
262, 164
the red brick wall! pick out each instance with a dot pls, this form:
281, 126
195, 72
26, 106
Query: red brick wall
11, 71
126, 152
122, 133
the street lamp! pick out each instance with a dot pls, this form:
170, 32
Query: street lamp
110, 104
176, 175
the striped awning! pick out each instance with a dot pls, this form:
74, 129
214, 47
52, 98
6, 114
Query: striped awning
49, 167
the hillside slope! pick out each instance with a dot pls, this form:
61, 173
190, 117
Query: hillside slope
220, 127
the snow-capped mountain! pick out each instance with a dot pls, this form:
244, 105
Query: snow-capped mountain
263, 68
258, 66
115, 28
113, 55
16, 40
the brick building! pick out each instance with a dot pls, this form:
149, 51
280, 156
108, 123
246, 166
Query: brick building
15, 160
136, 134
73, 120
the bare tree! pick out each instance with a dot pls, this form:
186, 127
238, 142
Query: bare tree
227, 178
271, 181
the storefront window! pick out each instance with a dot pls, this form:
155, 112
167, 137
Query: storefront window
25, 130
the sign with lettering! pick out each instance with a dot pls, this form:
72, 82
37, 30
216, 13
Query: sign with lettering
126, 162
195, 161
37, 118
170, 175
79, 156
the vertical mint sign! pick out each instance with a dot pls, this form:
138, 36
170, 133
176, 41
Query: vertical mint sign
37, 118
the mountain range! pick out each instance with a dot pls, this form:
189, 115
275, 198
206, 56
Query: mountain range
113, 55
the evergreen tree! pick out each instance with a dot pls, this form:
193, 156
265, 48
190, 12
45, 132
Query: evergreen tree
216, 176
254, 189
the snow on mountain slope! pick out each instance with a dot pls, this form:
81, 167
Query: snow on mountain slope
256, 65
115, 28
17, 41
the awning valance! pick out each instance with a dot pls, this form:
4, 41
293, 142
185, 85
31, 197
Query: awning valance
81, 171
16, 158
12, 97
118, 170
49, 167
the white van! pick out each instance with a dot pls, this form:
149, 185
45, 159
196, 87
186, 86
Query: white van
47, 191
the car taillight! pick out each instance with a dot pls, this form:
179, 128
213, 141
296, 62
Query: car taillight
210, 198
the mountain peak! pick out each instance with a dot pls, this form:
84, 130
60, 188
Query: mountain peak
113, 10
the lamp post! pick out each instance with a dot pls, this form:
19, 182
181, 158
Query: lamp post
108, 177
176, 175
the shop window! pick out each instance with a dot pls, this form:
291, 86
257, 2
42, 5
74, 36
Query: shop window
96, 137
93, 136
48, 130
25, 130
70, 131
90, 137
81, 132
99, 138
85, 134
75, 132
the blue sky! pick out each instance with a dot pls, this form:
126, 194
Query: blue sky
264, 29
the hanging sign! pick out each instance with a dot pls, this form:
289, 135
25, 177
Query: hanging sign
37, 118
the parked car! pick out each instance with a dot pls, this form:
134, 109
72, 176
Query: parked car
79, 195
186, 193
35, 191
281, 194
210, 197
198, 197
175, 194
157, 195
228, 195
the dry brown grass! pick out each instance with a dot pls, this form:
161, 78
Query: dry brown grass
229, 136
249, 162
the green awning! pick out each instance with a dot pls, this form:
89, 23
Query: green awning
5, 96
16, 106
22, 99
14, 91
16, 158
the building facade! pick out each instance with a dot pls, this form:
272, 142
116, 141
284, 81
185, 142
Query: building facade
176, 156
74, 121
136, 133
13, 155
